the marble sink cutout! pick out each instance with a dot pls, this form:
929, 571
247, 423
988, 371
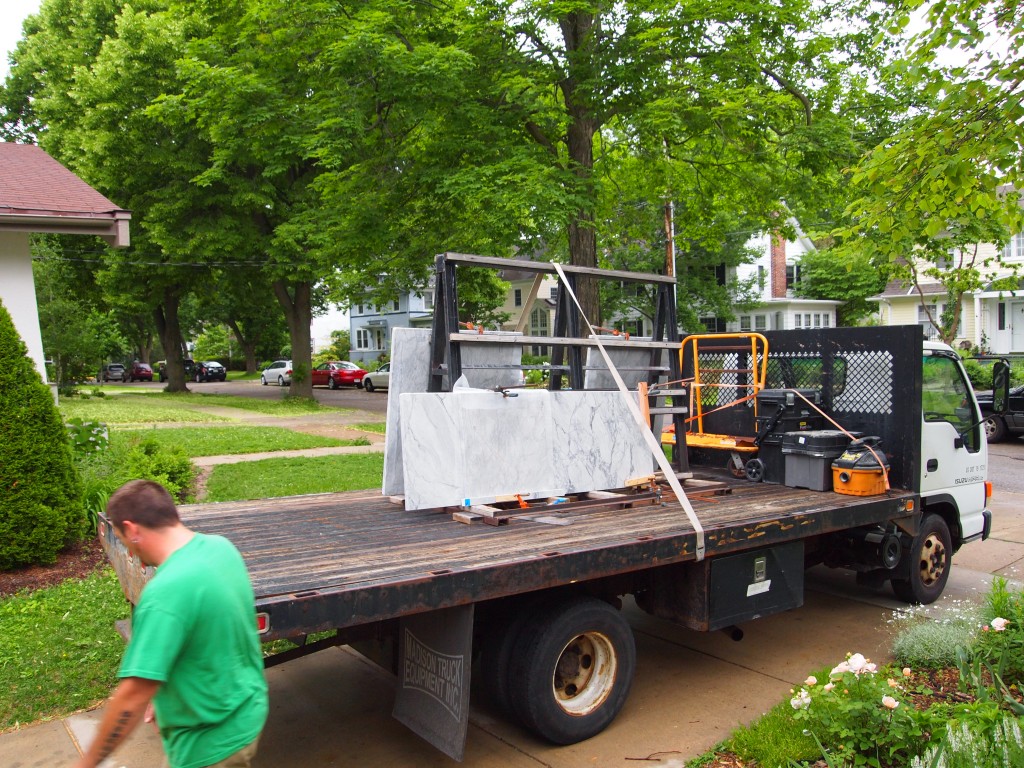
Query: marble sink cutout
477, 447
410, 372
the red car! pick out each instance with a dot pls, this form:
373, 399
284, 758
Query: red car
333, 375
139, 372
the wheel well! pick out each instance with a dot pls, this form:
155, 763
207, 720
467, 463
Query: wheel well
946, 508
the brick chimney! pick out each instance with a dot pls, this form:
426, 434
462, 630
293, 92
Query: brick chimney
778, 265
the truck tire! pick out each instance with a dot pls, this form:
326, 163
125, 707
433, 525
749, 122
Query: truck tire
496, 657
572, 669
930, 556
995, 429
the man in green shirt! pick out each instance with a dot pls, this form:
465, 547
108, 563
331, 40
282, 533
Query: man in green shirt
194, 653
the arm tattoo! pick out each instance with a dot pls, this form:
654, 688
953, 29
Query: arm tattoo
115, 735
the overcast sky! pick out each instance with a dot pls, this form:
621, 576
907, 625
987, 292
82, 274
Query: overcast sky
12, 13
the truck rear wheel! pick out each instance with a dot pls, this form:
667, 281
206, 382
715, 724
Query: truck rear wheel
572, 669
496, 657
930, 559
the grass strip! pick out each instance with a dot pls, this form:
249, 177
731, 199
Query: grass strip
59, 651
222, 441
270, 478
127, 409
376, 427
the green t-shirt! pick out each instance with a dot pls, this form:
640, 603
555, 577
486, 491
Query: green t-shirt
194, 630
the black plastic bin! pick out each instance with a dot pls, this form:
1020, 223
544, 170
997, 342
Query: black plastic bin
808, 457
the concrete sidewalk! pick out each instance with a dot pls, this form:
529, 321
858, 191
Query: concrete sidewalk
691, 690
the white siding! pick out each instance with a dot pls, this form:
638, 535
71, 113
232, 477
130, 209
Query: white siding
18, 293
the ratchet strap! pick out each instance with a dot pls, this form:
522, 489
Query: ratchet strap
651, 440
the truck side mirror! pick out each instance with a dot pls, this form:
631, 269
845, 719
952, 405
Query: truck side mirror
1000, 386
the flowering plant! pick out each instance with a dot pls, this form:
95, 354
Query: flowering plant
861, 714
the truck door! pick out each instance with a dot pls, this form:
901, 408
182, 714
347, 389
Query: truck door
954, 454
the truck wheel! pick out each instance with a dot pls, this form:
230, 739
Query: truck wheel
995, 429
930, 559
496, 657
572, 670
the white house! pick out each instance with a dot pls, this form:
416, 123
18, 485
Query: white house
775, 270
38, 194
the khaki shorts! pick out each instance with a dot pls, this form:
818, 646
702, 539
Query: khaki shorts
241, 759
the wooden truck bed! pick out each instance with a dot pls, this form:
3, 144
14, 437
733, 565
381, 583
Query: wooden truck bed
349, 559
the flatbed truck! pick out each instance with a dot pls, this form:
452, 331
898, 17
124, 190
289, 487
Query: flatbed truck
531, 604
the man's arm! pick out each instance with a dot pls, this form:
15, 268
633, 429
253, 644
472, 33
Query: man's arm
124, 711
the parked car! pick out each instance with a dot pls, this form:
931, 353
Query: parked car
113, 372
279, 371
210, 370
334, 374
139, 372
377, 379
190, 368
999, 427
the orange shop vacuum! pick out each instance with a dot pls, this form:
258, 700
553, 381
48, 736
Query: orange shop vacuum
857, 472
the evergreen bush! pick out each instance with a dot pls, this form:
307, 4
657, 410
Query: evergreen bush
40, 495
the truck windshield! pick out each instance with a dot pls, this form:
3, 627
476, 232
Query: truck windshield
946, 397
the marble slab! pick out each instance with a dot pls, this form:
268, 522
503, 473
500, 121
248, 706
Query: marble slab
410, 372
477, 447
632, 365
598, 444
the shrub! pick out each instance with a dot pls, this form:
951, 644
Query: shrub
862, 714
923, 642
143, 458
965, 745
40, 495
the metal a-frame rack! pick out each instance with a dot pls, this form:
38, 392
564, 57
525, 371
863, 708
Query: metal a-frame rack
567, 359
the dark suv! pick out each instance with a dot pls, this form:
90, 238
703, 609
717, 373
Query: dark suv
139, 372
999, 427
190, 369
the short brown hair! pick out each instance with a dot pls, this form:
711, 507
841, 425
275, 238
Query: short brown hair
145, 503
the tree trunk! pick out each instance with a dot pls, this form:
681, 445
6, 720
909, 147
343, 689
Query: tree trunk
248, 346
295, 299
169, 328
578, 31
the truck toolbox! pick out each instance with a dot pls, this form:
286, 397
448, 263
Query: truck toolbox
796, 415
857, 471
809, 456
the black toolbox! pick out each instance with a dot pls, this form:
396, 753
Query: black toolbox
809, 455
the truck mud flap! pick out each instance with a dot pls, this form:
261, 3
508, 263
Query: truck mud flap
433, 677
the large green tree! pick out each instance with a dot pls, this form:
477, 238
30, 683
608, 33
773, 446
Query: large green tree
951, 178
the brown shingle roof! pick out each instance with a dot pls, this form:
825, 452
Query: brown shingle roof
33, 182
38, 194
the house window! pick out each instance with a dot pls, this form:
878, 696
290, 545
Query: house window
539, 327
1014, 250
378, 339
797, 321
931, 330
554, 293
1002, 315
714, 324
760, 277
792, 275
639, 330
428, 300
760, 323
745, 323
817, 320
395, 305
359, 309
517, 297
826, 320
362, 339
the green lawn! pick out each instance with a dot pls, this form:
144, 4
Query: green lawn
377, 427
290, 477
221, 441
160, 407
59, 651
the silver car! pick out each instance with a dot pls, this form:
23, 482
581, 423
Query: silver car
377, 379
279, 372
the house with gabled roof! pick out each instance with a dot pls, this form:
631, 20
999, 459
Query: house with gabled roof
38, 194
